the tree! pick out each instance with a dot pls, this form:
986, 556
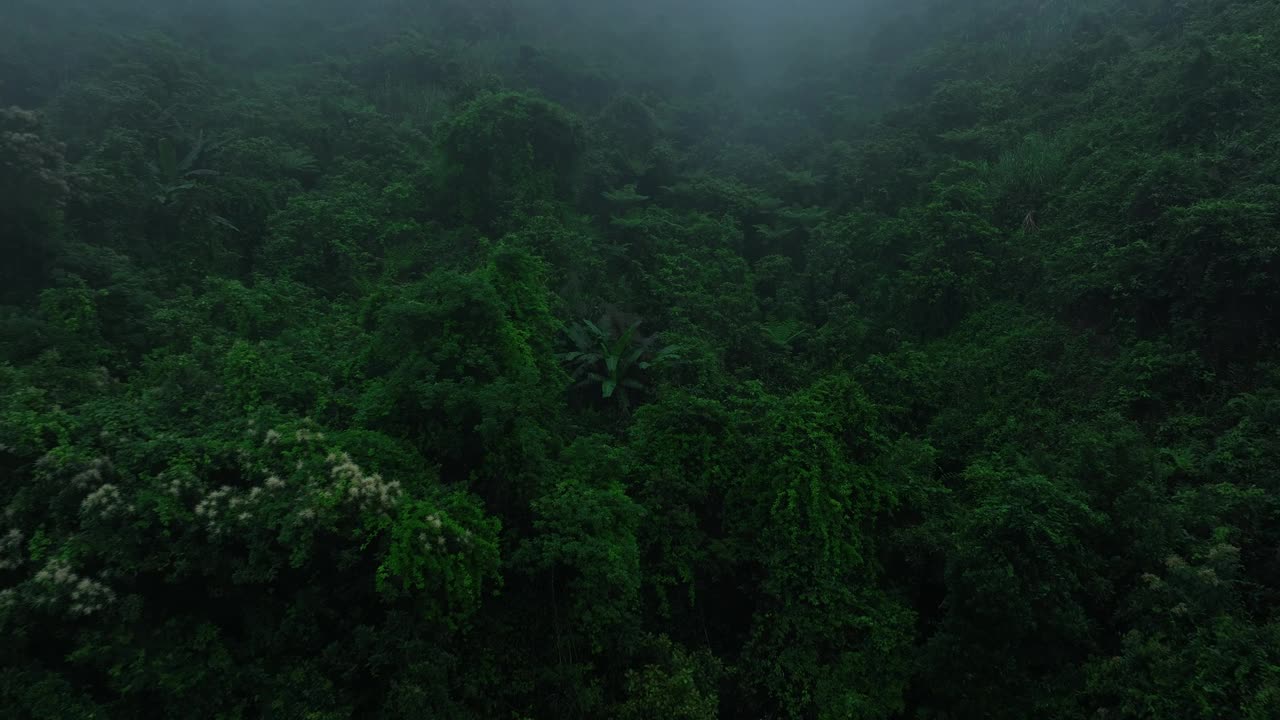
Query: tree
35, 182
503, 152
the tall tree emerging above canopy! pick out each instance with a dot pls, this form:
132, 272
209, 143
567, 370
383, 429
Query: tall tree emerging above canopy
504, 151
35, 183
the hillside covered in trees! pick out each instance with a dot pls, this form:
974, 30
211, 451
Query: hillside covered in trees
525, 359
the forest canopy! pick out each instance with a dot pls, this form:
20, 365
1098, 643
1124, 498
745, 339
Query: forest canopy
879, 360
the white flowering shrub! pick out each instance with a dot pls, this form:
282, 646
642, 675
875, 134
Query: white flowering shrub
285, 496
11, 549
58, 584
151, 547
104, 502
70, 469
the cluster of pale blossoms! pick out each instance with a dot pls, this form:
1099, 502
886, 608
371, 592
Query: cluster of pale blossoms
38, 161
305, 435
180, 482
57, 581
104, 502
345, 480
369, 491
217, 503
273, 436
11, 549
226, 502
91, 474
436, 539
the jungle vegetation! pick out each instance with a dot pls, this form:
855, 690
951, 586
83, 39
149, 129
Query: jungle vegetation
523, 359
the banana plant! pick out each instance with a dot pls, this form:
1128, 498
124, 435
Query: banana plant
175, 181
172, 176
612, 357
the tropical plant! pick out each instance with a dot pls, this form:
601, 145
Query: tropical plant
612, 353
174, 181
172, 176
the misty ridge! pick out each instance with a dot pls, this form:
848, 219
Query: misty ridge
523, 359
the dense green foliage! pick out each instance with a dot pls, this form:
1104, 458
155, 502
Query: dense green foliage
936, 374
